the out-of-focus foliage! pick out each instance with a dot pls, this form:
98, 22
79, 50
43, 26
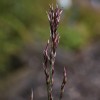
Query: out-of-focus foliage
74, 37
18, 20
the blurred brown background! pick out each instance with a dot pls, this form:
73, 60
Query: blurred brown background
24, 31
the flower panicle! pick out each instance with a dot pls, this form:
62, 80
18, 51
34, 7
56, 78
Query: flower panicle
63, 83
49, 52
54, 18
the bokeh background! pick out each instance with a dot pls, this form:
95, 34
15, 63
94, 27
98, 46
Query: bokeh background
24, 31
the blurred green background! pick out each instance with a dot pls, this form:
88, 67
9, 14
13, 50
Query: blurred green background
21, 22
24, 22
